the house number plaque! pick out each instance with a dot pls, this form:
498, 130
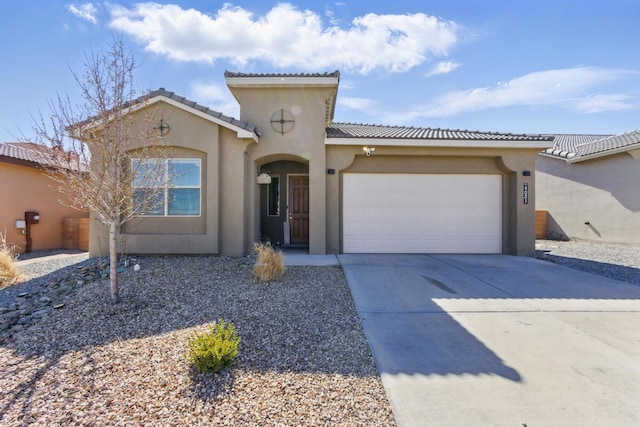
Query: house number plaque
525, 193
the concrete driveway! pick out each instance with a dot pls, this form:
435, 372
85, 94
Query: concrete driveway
492, 340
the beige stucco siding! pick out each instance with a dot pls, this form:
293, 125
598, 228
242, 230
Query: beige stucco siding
231, 197
602, 192
190, 137
24, 188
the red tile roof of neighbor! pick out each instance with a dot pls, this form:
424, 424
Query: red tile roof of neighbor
33, 155
20, 151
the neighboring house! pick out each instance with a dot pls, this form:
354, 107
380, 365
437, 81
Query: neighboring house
24, 187
288, 173
588, 184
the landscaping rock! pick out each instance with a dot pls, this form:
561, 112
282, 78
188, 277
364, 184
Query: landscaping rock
95, 363
29, 307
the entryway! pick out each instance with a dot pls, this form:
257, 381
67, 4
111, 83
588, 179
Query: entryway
284, 204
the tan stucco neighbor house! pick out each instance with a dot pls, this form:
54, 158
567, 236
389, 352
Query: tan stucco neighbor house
286, 172
27, 192
588, 184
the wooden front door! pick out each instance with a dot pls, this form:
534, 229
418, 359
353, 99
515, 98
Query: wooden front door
298, 208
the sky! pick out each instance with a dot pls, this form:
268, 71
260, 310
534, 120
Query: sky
519, 66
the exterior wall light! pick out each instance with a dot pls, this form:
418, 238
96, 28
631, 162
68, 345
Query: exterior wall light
368, 150
264, 178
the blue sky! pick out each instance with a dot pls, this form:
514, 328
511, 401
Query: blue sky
539, 66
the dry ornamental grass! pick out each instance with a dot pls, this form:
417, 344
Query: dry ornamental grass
9, 273
270, 263
303, 358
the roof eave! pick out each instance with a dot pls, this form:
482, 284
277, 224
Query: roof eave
606, 153
282, 81
20, 162
240, 131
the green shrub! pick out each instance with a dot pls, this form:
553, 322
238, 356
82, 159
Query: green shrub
214, 350
270, 263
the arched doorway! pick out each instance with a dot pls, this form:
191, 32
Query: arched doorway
284, 204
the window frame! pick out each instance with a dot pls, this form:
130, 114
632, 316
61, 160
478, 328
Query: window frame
169, 183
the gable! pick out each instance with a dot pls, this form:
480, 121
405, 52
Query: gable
243, 130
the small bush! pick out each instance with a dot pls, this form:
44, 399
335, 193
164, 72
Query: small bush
214, 350
9, 273
270, 263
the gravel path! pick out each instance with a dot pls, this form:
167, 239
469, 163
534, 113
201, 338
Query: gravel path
304, 359
617, 261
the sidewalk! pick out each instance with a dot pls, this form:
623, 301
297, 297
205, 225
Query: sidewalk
301, 257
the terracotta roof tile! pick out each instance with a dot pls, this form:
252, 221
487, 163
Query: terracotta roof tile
11, 151
32, 154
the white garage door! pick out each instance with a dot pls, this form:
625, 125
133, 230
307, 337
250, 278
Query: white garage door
413, 213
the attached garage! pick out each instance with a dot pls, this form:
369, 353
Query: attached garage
422, 213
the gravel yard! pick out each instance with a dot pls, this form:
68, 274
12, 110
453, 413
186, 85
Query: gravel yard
304, 359
616, 261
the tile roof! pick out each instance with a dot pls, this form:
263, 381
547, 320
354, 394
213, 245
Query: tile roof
355, 130
609, 144
192, 104
35, 155
20, 151
576, 146
233, 74
564, 145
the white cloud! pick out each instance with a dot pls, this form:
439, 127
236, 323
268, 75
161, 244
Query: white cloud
358, 104
570, 88
287, 37
216, 97
443, 67
603, 102
85, 11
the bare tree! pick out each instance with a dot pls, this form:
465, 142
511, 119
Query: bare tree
102, 150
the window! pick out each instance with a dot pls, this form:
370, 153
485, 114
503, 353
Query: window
171, 185
273, 197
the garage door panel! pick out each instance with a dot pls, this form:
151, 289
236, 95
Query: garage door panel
412, 213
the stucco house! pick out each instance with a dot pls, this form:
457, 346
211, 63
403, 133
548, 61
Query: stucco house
287, 172
588, 184
26, 192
